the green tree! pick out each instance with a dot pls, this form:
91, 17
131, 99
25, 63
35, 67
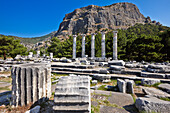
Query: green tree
11, 47
56, 47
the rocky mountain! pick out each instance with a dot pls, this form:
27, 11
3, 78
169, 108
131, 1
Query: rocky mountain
95, 18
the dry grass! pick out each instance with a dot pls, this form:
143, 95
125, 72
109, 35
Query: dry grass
7, 79
5, 72
19, 109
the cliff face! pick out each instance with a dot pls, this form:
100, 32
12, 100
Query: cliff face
92, 18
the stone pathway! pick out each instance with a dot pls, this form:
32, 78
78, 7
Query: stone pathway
155, 92
115, 102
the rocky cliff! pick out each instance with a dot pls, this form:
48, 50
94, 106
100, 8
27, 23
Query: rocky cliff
95, 18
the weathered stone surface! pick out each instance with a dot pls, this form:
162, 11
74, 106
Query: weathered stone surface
165, 87
103, 71
36, 109
148, 81
101, 77
124, 102
131, 65
119, 15
117, 62
121, 85
94, 82
5, 98
129, 86
152, 104
116, 68
167, 76
155, 92
72, 94
152, 75
158, 68
30, 83
2, 69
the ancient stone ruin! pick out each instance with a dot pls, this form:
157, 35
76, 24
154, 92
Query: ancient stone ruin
30, 83
72, 94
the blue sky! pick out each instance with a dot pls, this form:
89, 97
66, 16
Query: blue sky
31, 18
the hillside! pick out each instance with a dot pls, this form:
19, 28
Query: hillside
95, 18
32, 40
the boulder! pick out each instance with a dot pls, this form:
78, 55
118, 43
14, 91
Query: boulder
152, 104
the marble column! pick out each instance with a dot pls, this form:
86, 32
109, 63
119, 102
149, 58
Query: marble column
103, 44
30, 83
74, 46
83, 46
93, 45
115, 45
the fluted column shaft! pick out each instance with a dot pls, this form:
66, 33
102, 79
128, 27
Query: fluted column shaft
83, 46
115, 45
30, 83
103, 44
74, 46
93, 45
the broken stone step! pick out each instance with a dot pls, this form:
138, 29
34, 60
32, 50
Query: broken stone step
73, 107
132, 72
71, 98
69, 72
155, 92
73, 66
152, 75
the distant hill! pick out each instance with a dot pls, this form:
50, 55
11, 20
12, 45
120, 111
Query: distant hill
32, 40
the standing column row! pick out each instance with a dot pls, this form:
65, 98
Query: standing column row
103, 50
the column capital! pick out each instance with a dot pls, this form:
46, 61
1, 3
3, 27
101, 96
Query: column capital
74, 35
83, 34
103, 32
115, 31
93, 33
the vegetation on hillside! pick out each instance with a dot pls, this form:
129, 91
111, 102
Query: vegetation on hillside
140, 42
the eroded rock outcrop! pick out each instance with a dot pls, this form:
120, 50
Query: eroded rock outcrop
92, 18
